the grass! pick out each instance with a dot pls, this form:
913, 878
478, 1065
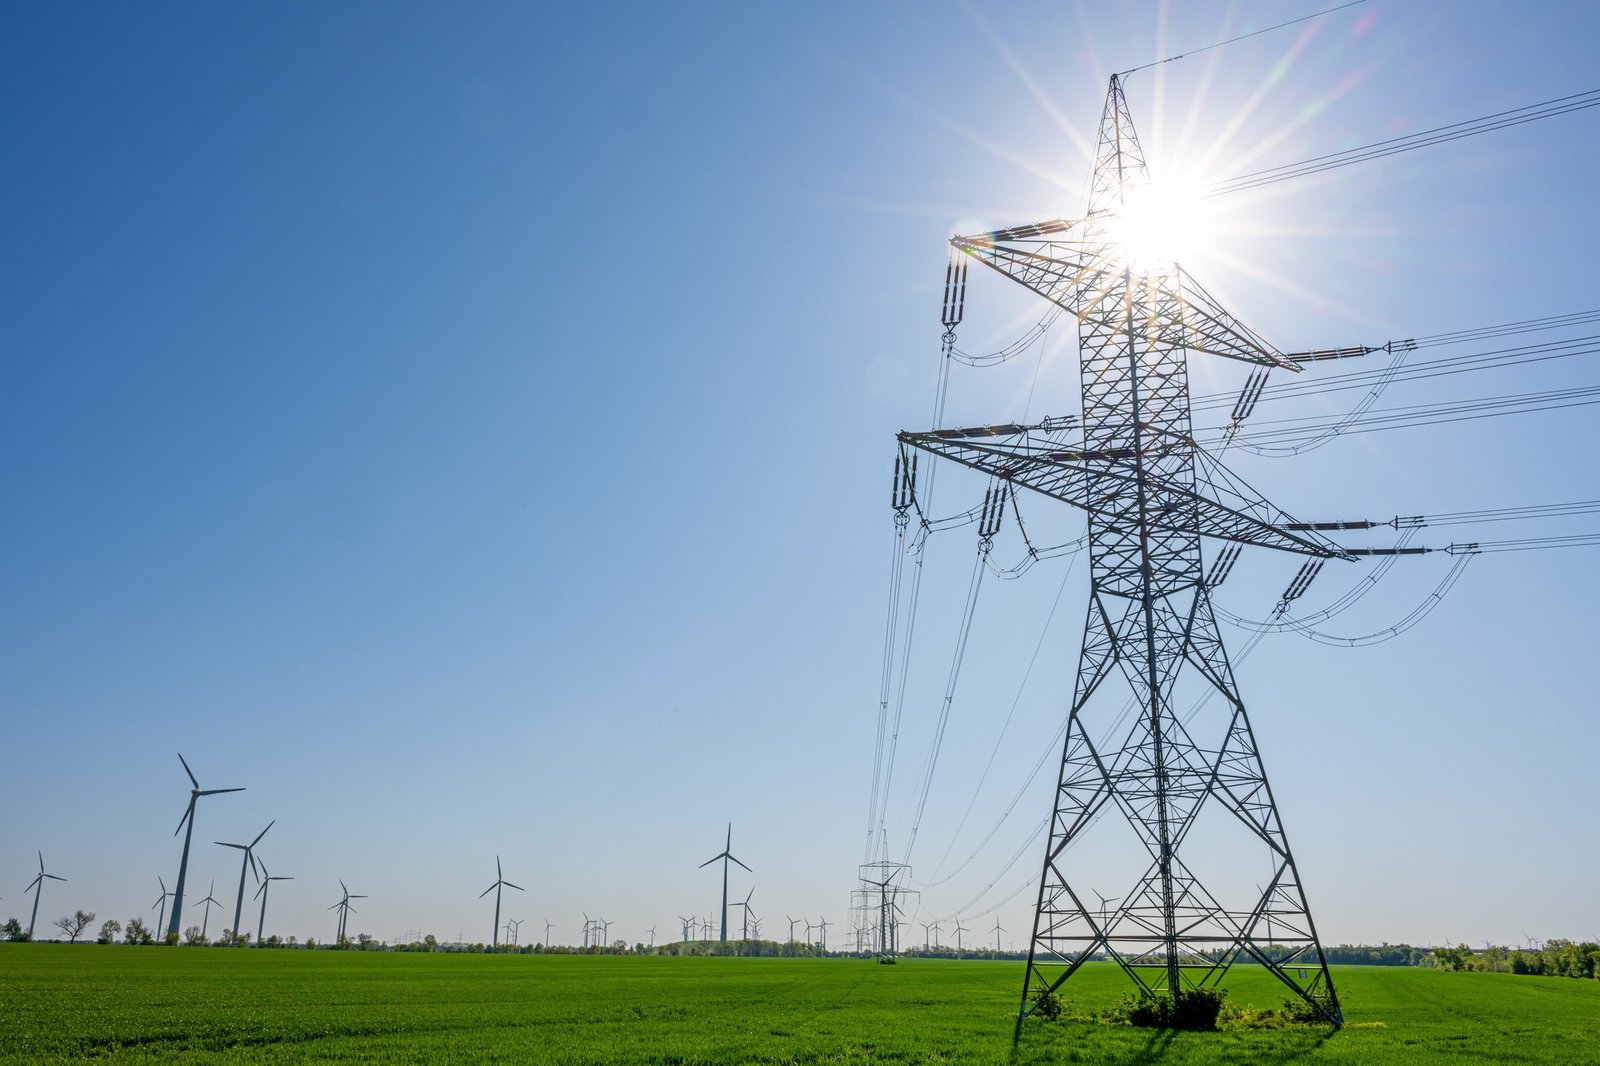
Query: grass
62, 1003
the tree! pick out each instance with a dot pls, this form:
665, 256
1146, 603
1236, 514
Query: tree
109, 931
135, 932
193, 937
13, 930
75, 925
430, 942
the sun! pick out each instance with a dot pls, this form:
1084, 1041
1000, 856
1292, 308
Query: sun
1159, 226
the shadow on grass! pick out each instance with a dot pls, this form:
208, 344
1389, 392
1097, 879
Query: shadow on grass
1129, 1046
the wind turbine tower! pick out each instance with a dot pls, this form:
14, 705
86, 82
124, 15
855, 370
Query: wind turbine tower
183, 863
248, 862
499, 883
37, 884
726, 856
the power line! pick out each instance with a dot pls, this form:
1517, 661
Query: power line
1393, 146
1241, 37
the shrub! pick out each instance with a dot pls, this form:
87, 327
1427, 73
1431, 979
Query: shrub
1196, 1010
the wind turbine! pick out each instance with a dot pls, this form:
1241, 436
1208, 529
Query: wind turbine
162, 903
266, 879
547, 928
726, 856
824, 924
746, 906
499, 882
927, 944
791, 928
935, 934
37, 884
652, 936
515, 925
587, 923
1103, 901
183, 863
209, 901
249, 861
344, 908
687, 923
1266, 910
959, 930
997, 931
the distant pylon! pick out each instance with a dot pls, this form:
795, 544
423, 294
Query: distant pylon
1187, 806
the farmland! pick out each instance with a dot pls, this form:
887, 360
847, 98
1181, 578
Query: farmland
62, 1003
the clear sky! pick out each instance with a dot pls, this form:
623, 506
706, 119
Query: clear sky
469, 428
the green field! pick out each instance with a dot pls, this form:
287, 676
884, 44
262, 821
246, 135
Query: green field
60, 1003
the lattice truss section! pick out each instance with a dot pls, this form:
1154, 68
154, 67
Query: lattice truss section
1159, 786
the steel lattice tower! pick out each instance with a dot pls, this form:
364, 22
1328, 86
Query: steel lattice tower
1150, 495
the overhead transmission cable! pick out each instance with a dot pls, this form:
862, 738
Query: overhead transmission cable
1016, 701
906, 497
1241, 37
1393, 146
1290, 430
1495, 359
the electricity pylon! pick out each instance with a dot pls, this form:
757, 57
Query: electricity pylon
1169, 790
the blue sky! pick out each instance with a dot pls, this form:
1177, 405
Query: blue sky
470, 428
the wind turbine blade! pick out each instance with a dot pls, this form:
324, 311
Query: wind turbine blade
35, 881
217, 791
224, 843
508, 884
163, 885
260, 890
498, 873
702, 866
335, 907
343, 888
187, 811
187, 770
41, 862
252, 857
358, 897
263, 833
53, 877
747, 869
488, 890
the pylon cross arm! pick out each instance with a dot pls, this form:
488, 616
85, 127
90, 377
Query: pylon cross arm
1077, 274
1080, 478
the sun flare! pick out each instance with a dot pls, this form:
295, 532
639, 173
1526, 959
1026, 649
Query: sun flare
1159, 225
